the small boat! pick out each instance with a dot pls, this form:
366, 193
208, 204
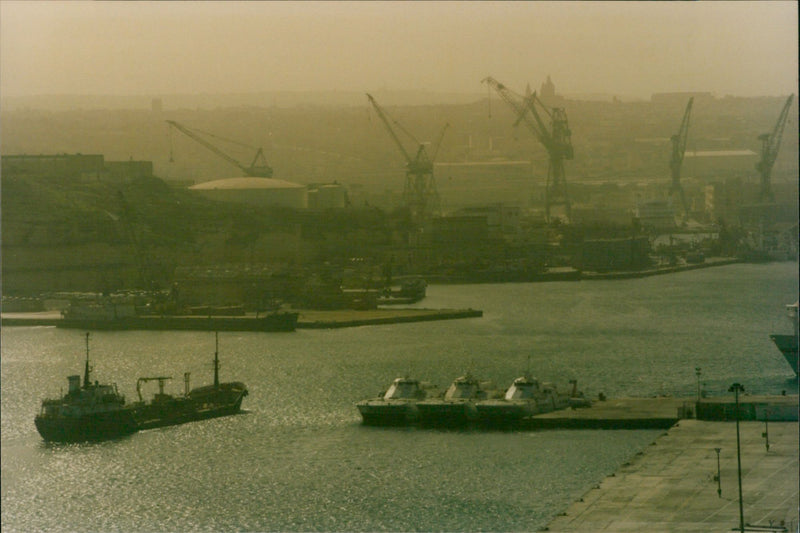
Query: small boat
397, 406
86, 412
787, 344
457, 407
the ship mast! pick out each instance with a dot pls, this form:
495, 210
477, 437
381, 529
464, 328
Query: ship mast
216, 360
86, 369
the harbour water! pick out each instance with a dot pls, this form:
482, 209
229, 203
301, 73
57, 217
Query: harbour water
299, 459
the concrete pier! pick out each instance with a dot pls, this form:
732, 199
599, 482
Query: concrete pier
307, 319
617, 413
672, 485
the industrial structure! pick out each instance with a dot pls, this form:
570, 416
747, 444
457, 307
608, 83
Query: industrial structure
676, 161
555, 138
770, 142
420, 195
73, 166
258, 167
262, 192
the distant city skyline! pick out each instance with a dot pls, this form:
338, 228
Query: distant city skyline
632, 49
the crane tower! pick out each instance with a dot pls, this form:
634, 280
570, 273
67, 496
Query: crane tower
770, 142
556, 139
258, 167
420, 195
678, 151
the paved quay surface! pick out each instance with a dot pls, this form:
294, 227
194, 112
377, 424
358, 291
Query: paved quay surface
671, 486
616, 413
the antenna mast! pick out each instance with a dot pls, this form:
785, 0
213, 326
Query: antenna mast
86, 369
216, 360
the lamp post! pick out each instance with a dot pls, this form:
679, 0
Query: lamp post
735, 389
697, 373
719, 483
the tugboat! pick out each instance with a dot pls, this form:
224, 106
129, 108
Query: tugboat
458, 405
397, 406
86, 412
209, 401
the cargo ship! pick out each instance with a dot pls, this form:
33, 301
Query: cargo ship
787, 344
208, 401
86, 412
94, 411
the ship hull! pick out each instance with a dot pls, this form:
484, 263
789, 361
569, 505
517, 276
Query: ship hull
91, 427
787, 344
446, 413
387, 413
504, 412
201, 404
275, 322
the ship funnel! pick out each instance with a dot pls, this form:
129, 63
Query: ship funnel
74, 383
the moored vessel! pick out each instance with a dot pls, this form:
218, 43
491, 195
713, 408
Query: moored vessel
109, 315
525, 398
788, 344
457, 407
397, 406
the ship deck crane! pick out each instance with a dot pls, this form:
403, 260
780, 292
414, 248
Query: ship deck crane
161, 382
258, 167
770, 142
676, 161
420, 194
555, 139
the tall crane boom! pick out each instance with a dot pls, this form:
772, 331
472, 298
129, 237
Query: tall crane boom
385, 119
420, 194
556, 139
770, 142
258, 167
678, 151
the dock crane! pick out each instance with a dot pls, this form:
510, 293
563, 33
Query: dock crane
676, 161
258, 167
555, 139
770, 142
420, 194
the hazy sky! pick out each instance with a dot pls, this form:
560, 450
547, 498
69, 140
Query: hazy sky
627, 48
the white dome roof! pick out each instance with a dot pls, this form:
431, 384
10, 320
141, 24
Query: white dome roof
245, 184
